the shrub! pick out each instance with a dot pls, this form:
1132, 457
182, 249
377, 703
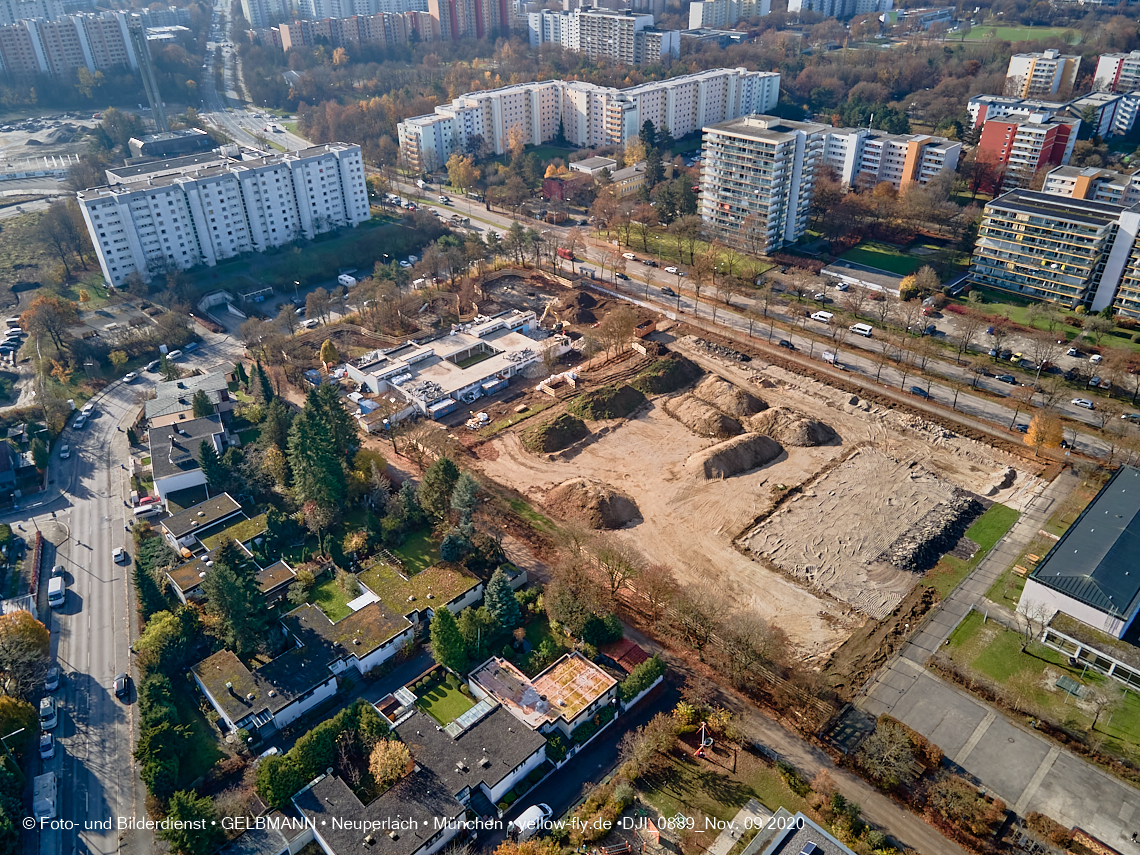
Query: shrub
792, 778
1049, 829
556, 748
641, 678
1136, 338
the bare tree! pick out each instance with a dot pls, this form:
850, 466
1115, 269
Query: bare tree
619, 565
694, 617
886, 308
658, 585
855, 300
1043, 348
1022, 397
970, 323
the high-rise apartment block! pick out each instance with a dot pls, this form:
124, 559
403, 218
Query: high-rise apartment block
758, 178
1067, 250
204, 213
471, 19
1110, 114
265, 13
12, 11
1024, 146
97, 42
1040, 75
1099, 185
726, 13
319, 9
840, 8
385, 28
622, 36
589, 115
861, 155
1118, 72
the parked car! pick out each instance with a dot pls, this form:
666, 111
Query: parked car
122, 685
130, 377
174, 354
80, 422
1131, 417
1007, 378
51, 681
49, 714
1021, 428
649, 262
153, 366
787, 345
1084, 403
64, 452
842, 286
119, 555
668, 292
621, 276
47, 746
918, 390
629, 256
821, 298
671, 270
1005, 354
57, 570
1072, 351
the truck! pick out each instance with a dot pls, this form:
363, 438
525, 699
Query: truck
563, 252
346, 280
45, 796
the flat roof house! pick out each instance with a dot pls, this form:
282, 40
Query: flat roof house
1091, 573
182, 529
569, 692
174, 453
786, 834
173, 400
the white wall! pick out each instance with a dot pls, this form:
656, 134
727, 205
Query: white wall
1042, 603
295, 710
181, 481
384, 652
533, 762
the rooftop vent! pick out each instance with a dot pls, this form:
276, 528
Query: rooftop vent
393, 835
249, 697
369, 840
485, 762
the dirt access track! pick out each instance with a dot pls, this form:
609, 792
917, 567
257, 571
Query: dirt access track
805, 563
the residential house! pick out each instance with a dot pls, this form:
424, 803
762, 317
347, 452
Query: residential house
174, 453
182, 529
173, 400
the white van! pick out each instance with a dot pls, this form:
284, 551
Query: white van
147, 511
822, 317
864, 330
57, 592
529, 822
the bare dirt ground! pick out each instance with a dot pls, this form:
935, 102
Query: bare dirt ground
820, 590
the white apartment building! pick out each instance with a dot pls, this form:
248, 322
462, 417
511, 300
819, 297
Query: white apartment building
623, 36
1114, 114
726, 13
203, 215
904, 160
12, 11
97, 42
1117, 72
1039, 75
263, 13
1090, 182
319, 9
590, 115
758, 178
840, 8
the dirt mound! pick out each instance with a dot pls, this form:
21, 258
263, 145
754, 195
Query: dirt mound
667, 374
596, 504
728, 398
556, 434
791, 427
702, 419
575, 308
607, 402
734, 456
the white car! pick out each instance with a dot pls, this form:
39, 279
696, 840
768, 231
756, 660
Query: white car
1084, 403
88, 409
64, 452
130, 377
629, 256
842, 286
670, 269
119, 555
311, 323
174, 354
405, 265
80, 422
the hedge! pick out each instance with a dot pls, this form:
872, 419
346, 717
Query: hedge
641, 678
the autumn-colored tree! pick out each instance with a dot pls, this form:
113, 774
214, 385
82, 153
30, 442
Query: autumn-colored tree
61, 371
389, 762
51, 316
1045, 431
461, 172
329, 354
340, 57
118, 359
24, 645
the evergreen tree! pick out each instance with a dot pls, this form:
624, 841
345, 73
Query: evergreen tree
454, 546
665, 140
464, 499
408, 505
654, 171
211, 465
196, 830
437, 486
648, 135
686, 199
500, 600
200, 405
275, 425
318, 472
560, 137
234, 598
339, 426
240, 375
447, 645
261, 386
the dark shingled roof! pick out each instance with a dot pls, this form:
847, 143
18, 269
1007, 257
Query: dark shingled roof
202, 515
1094, 562
169, 457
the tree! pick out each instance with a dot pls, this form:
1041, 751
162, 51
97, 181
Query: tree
170, 640
654, 171
329, 354
573, 597
1045, 431
234, 600
970, 323
389, 762
51, 316
616, 329
200, 405
62, 233
287, 319
260, 384
887, 754
958, 802
695, 617
1096, 327
317, 304
41, 454
658, 586
167, 369
461, 172
212, 466
24, 647
500, 600
447, 645
619, 565
464, 500
194, 829
318, 445
437, 486
118, 359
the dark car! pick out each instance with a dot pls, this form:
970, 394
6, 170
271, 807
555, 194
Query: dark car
621, 276
930, 330
122, 685
989, 330
1007, 378
1021, 428
1005, 354
918, 390
787, 345
649, 262
668, 292
1072, 374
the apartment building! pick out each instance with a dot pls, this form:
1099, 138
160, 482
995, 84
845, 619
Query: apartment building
265, 13
97, 42
1071, 251
589, 115
757, 179
623, 36
726, 13
840, 8
12, 11
1099, 185
318, 9
384, 28
1024, 146
202, 215
1109, 114
1117, 72
473, 19
1039, 75
861, 155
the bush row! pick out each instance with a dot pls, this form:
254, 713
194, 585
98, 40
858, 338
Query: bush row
641, 678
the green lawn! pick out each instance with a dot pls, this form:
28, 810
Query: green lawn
203, 751
524, 510
444, 703
1018, 34
248, 437
419, 552
883, 257
986, 531
332, 600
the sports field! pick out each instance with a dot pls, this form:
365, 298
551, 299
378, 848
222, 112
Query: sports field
883, 257
1017, 34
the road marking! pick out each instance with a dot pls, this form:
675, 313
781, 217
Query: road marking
975, 737
1031, 788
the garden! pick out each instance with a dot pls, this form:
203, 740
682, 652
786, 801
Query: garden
883, 256
442, 695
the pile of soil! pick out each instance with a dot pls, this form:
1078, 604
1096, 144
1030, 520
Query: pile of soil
934, 535
702, 419
668, 374
607, 402
792, 428
556, 434
597, 505
575, 308
734, 456
728, 398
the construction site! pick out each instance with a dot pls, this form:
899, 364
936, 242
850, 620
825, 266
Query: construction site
814, 507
